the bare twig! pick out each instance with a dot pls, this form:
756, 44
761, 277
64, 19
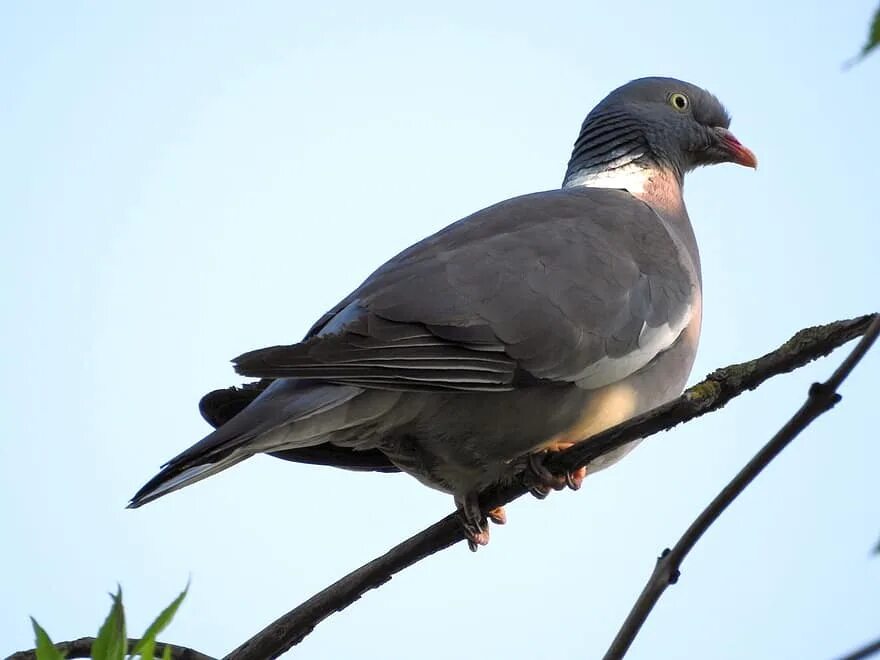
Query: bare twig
822, 397
865, 652
82, 648
711, 394
291, 628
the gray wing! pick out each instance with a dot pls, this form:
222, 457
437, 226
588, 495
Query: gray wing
581, 286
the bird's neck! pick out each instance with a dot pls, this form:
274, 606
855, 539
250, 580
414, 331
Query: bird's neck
632, 177
659, 187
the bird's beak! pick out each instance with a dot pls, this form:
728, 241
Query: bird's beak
739, 153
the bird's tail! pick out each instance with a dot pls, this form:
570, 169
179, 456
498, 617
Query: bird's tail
289, 414
172, 478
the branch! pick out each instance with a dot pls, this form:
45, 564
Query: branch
292, 628
822, 398
711, 394
82, 648
864, 652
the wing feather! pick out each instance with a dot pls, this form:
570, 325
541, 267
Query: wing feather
581, 286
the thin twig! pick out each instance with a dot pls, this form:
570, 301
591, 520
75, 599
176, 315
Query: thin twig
82, 648
720, 387
291, 628
822, 398
865, 652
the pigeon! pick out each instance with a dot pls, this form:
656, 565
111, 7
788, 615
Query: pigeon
517, 331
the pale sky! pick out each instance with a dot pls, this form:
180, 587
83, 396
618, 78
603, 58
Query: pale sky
180, 185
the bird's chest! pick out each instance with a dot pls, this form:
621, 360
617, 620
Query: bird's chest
603, 409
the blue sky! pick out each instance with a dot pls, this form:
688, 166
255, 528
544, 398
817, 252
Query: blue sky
180, 185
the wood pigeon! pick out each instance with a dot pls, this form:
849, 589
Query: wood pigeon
521, 329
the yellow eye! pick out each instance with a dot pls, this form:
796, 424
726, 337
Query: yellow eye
679, 101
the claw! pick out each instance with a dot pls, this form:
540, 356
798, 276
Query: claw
539, 492
476, 538
536, 477
541, 481
575, 479
476, 528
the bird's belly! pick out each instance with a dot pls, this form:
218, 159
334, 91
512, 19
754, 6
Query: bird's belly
603, 409
465, 442
660, 381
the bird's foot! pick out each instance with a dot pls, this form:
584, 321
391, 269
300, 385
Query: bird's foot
497, 515
540, 480
476, 525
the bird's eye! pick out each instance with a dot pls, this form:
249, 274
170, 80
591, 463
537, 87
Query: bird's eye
679, 101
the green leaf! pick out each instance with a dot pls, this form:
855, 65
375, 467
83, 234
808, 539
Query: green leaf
111, 642
45, 648
167, 654
873, 34
146, 647
871, 43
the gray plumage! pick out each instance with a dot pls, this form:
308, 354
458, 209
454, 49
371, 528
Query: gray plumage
526, 326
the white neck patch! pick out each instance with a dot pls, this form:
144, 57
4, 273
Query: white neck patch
631, 177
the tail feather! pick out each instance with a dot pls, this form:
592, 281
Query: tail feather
287, 415
172, 478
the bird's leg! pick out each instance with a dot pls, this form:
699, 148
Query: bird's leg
476, 528
540, 480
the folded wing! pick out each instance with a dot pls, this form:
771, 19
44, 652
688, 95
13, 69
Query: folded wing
582, 286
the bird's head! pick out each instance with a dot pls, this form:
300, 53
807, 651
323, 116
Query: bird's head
654, 123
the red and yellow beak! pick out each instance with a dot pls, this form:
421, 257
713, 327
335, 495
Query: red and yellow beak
739, 153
